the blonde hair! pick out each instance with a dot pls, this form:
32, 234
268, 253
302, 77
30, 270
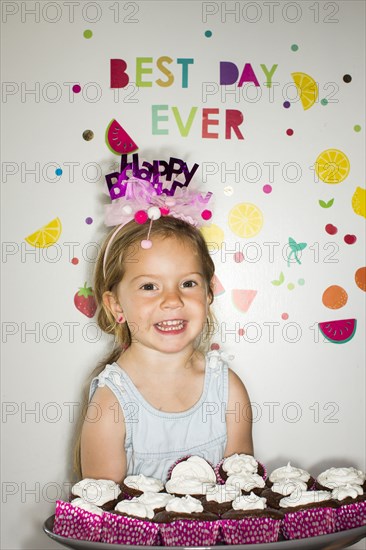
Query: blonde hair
121, 251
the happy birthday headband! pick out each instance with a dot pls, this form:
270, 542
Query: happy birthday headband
139, 194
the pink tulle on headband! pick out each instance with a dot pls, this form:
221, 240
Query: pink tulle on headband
142, 202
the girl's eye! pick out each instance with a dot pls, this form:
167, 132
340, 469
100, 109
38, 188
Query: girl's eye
148, 286
189, 284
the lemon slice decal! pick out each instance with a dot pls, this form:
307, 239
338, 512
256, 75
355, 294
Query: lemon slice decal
307, 88
245, 220
359, 202
46, 236
213, 234
332, 166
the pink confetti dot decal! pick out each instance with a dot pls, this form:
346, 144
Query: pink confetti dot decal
89, 221
238, 257
76, 88
284, 316
290, 132
241, 332
75, 261
215, 347
267, 189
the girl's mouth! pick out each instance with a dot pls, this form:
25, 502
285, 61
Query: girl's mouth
175, 326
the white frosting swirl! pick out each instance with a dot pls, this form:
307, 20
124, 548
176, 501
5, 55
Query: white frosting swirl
143, 483
185, 504
80, 503
334, 477
155, 500
249, 502
298, 498
223, 493
194, 467
247, 483
187, 486
289, 472
135, 508
240, 463
287, 486
96, 491
345, 491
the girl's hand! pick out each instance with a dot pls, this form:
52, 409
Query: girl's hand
238, 418
102, 439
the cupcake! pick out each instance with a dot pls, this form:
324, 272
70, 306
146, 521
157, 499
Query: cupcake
282, 489
135, 485
290, 472
130, 523
104, 493
250, 521
219, 497
156, 501
192, 476
351, 511
247, 483
238, 464
78, 520
185, 523
308, 514
336, 477
193, 467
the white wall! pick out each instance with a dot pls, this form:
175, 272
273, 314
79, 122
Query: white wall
309, 395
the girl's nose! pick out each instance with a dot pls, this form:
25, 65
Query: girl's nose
172, 299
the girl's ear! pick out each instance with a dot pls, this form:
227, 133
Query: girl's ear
111, 304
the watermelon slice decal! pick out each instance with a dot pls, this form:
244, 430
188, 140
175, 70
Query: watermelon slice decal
242, 299
118, 140
338, 332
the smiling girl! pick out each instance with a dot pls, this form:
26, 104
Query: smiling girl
161, 394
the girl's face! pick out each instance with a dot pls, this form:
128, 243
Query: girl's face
163, 296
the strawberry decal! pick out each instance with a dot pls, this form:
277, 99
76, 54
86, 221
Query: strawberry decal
85, 302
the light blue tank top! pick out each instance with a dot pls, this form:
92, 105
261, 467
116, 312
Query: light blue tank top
156, 439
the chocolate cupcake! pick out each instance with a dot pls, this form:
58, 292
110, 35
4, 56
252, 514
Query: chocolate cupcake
219, 498
135, 485
103, 493
250, 521
351, 511
308, 514
239, 464
185, 523
156, 501
337, 477
130, 523
290, 473
193, 467
247, 483
281, 489
181, 486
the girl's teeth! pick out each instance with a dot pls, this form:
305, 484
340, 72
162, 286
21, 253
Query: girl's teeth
170, 325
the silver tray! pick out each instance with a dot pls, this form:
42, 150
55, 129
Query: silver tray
335, 541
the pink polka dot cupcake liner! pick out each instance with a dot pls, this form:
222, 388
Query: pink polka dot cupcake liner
250, 530
75, 523
189, 533
221, 481
350, 516
119, 529
311, 522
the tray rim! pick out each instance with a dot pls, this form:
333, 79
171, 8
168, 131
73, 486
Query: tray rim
358, 532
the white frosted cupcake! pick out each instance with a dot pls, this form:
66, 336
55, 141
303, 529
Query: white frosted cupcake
131, 523
239, 464
351, 511
337, 477
135, 485
103, 493
289, 472
250, 521
308, 514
